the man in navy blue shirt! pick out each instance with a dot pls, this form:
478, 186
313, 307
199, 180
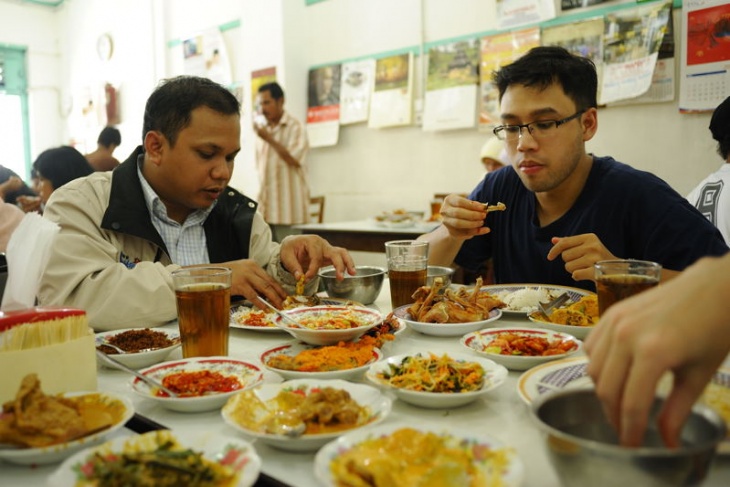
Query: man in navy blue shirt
566, 209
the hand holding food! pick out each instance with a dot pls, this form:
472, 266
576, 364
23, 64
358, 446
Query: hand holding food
305, 254
679, 327
464, 218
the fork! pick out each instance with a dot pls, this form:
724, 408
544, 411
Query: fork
547, 308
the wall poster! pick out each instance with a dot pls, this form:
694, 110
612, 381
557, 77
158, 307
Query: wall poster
323, 107
451, 86
392, 101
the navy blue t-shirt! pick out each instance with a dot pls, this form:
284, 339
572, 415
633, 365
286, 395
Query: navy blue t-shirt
634, 213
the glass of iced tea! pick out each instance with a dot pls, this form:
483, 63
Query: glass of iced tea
203, 297
407, 269
619, 279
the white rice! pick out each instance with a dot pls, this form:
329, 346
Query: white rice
525, 299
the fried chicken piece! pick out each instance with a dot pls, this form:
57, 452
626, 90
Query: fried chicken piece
34, 419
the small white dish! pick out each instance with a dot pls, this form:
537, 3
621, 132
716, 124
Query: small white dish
247, 374
479, 342
494, 376
552, 291
236, 453
367, 318
506, 474
577, 331
553, 376
140, 359
445, 329
121, 407
369, 397
293, 348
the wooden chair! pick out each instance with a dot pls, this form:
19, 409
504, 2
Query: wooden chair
316, 209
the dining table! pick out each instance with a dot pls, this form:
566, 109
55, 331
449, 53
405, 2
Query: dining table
500, 414
367, 235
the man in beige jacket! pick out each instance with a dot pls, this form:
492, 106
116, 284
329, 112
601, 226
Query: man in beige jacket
169, 205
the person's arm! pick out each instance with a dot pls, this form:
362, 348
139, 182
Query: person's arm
462, 219
681, 327
85, 269
295, 153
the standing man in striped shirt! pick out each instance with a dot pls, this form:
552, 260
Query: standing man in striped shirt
281, 155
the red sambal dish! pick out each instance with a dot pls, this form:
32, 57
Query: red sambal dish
198, 383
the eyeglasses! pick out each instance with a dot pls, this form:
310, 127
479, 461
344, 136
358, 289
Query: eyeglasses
541, 129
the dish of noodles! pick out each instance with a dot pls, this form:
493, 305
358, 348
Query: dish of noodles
321, 409
437, 381
344, 360
248, 317
163, 458
417, 455
327, 325
577, 318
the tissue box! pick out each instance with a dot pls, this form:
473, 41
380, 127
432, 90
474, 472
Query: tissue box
62, 367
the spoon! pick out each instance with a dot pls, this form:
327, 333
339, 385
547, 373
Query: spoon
547, 308
283, 315
147, 380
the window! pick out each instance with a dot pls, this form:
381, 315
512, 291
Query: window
14, 128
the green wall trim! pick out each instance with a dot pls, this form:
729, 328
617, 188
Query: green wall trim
565, 19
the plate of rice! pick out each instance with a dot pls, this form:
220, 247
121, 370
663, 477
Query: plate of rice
522, 299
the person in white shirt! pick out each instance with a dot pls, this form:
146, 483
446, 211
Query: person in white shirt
711, 196
281, 159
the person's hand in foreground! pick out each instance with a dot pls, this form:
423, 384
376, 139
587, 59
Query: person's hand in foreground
680, 326
463, 218
250, 280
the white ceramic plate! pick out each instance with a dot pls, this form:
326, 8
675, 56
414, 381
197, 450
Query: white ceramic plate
553, 376
56, 453
368, 317
293, 348
270, 326
478, 341
366, 396
248, 375
577, 331
511, 474
141, 359
494, 376
445, 329
220, 449
555, 291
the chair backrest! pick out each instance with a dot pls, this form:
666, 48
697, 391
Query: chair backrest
316, 209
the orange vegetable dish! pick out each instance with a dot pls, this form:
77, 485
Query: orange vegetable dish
343, 356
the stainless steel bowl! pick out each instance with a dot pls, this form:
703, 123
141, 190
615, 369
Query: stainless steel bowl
583, 447
444, 273
364, 287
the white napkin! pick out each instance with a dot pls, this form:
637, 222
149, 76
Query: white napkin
27, 255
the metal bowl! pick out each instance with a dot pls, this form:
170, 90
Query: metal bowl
444, 273
364, 287
583, 447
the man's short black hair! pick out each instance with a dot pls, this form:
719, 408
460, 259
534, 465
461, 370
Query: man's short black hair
720, 128
277, 93
545, 65
109, 136
170, 106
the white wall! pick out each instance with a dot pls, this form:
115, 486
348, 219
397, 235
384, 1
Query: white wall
369, 170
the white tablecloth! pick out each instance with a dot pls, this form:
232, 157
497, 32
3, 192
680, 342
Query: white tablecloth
500, 414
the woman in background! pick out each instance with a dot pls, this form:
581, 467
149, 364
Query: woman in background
56, 167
